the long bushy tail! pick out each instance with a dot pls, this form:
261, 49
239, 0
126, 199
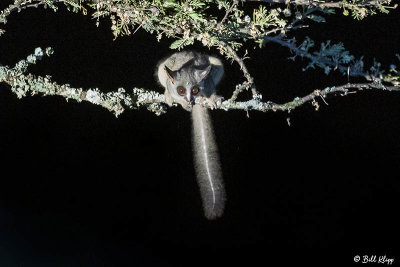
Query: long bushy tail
207, 164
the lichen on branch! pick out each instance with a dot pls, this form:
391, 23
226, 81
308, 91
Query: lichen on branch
230, 32
24, 84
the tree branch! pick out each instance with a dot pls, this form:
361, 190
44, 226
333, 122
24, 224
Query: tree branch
333, 4
256, 104
23, 84
182, 21
250, 81
22, 4
235, 2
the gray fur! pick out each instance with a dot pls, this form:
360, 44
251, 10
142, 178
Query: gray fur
207, 164
189, 69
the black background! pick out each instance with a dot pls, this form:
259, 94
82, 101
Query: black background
80, 187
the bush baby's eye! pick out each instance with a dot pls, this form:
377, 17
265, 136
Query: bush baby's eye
181, 90
195, 90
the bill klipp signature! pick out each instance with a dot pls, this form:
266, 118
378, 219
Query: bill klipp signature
374, 259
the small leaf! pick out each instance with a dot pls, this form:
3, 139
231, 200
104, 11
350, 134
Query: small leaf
170, 3
177, 44
73, 4
260, 42
316, 18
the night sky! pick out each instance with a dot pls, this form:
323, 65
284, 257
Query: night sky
80, 187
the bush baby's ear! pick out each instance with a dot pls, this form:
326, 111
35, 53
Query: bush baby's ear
202, 74
171, 74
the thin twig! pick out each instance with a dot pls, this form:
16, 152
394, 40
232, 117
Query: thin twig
250, 80
338, 4
345, 89
22, 5
235, 2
